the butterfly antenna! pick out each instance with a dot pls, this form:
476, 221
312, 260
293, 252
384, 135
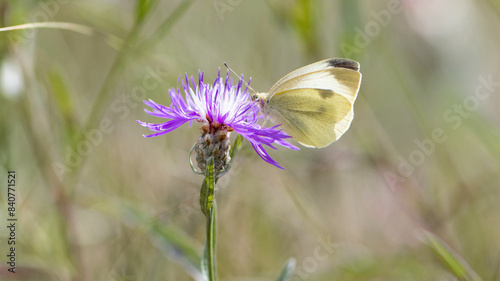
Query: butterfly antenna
243, 80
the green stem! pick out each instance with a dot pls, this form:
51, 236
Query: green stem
210, 244
207, 205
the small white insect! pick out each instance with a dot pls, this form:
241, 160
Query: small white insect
314, 104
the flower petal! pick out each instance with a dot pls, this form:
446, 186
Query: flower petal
221, 102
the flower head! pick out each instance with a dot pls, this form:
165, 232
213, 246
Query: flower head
219, 106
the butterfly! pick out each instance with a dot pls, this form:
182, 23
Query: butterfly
314, 104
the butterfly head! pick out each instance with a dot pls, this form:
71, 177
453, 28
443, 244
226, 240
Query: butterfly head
260, 98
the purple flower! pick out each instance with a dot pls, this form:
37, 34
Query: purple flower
220, 104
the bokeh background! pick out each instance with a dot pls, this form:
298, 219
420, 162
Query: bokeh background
410, 192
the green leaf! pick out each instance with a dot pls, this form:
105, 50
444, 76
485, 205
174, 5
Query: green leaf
207, 189
142, 9
64, 101
61, 93
208, 262
287, 270
236, 147
304, 20
451, 260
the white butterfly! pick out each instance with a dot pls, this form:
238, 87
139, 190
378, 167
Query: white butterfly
314, 104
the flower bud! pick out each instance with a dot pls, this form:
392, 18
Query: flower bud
214, 142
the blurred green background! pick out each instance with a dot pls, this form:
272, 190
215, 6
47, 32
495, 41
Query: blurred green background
97, 201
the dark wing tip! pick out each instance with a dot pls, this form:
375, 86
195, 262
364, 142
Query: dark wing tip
343, 63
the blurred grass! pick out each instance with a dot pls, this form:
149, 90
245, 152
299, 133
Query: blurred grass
454, 263
427, 59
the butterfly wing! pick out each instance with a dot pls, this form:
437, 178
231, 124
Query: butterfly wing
316, 107
314, 118
317, 66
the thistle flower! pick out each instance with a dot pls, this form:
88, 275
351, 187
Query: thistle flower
221, 108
